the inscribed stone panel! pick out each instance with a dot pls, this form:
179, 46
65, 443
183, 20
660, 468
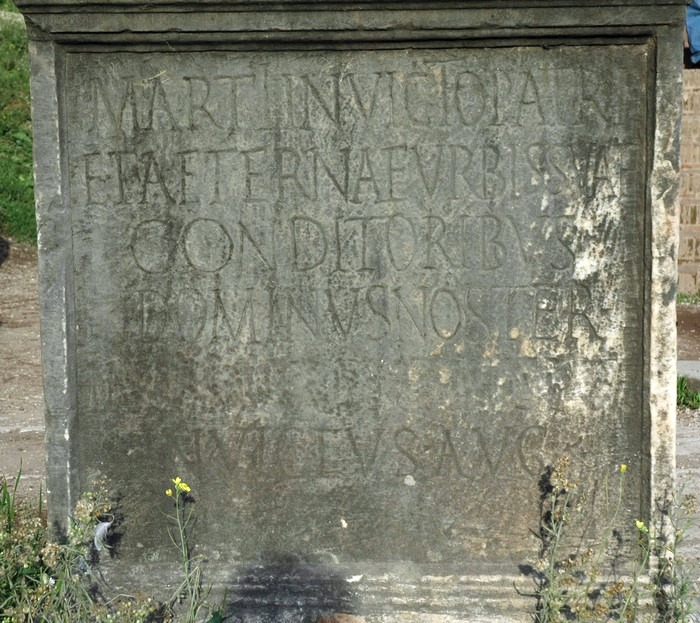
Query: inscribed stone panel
358, 298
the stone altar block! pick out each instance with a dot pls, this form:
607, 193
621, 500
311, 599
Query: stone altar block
358, 272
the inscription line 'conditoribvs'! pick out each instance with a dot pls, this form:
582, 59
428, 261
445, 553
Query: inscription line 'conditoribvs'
397, 242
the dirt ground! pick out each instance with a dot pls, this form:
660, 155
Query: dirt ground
688, 323
21, 397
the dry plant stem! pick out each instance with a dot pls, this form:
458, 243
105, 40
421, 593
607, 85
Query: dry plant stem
633, 594
675, 581
577, 587
609, 528
192, 576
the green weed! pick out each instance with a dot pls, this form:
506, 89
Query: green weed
688, 299
577, 580
189, 594
47, 581
44, 581
685, 397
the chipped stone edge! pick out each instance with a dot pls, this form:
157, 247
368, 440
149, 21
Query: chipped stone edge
663, 199
56, 295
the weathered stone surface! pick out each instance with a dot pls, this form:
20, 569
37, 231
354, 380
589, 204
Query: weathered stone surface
359, 293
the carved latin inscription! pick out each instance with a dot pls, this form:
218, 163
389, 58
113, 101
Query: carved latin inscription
370, 278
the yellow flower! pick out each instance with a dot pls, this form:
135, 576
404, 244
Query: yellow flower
169, 493
623, 468
641, 527
180, 485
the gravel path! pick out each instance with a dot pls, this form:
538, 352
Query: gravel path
21, 396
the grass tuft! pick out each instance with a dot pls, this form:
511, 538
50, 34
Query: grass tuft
43, 580
688, 299
685, 397
47, 581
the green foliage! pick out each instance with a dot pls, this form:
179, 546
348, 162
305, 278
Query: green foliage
685, 397
8, 5
39, 580
16, 182
44, 581
688, 299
